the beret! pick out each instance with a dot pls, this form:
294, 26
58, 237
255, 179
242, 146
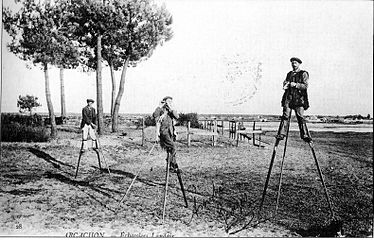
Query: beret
90, 100
296, 59
166, 98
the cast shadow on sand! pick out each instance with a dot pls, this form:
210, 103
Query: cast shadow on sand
103, 191
56, 163
128, 175
21, 192
331, 229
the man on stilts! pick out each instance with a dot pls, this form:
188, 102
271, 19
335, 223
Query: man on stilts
164, 116
165, 131
295, 98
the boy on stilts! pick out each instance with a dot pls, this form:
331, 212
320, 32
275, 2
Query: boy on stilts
88, 125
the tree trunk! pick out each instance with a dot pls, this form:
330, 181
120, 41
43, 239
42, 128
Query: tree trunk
113, 88
99, 89
49, 103
119, 97
62, 87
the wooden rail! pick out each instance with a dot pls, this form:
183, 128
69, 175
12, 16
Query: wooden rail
235, 129
213, 133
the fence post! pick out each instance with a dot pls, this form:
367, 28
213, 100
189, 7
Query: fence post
237, 129
237, 126
188, 134
232, 129
222, 126
254, 128
259, 138
210, 129
241, 127
143, 137
229, 129
233, 126
215, 131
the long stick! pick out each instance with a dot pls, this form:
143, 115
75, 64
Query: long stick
269, 172
166, 188
137, 174
98, 157
101, 150
321, 177
181, 184
79, 160
281, 171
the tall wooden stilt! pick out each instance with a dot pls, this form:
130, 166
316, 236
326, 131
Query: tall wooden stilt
282, 163
166, 187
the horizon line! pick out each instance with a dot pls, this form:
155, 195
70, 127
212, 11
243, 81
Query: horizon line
257, 114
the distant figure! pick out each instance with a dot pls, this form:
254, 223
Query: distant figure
88, 125
295, 97
164, 116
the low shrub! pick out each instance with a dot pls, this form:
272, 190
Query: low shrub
59, 120
182, 121
27, 120
15, 132
149, 121
192, 117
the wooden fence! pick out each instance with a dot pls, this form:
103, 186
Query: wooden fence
236, 131
214, 128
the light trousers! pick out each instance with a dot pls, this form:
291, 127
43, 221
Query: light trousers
88, 131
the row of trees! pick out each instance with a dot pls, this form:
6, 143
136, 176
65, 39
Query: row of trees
86, 33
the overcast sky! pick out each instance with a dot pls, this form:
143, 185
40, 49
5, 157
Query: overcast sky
211, 64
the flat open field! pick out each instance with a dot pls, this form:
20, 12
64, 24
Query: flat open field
40, 196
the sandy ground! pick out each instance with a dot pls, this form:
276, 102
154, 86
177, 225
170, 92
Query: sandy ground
40, 196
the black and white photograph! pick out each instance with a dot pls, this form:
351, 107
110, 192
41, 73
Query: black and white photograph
186, 118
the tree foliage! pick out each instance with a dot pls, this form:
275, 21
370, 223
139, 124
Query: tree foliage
36, 37
129, 32
27, 103
70, 32
36, 32
142, 27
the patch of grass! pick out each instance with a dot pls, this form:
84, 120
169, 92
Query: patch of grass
15, 132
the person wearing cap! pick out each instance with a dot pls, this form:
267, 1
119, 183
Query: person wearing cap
88, 125
295, 98
164, 116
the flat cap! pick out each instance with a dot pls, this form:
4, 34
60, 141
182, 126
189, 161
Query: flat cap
166, 98
90, 100
296, 59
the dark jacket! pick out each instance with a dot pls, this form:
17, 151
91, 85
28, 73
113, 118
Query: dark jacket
88, 116
296, 96
167, 126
